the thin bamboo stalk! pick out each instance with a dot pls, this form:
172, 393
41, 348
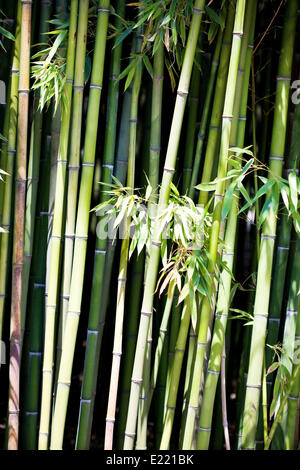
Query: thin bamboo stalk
10, 163
18, 246
205, 114
33, 338
219, 96
261, 305
33, 172
82, 223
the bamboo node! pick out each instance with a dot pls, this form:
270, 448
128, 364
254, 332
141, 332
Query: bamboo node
198, 11
77, 314
188, 169
156, 243
283, 78
88, 164
169, 170
214, 372
201, 345
227, 116
182, 94
170, 407
23, 90
137, 381
204, 429
110, 420
85, 400
155, 149
133, 121
179, 350
103, 10
262, 315
268, 237
276, 157
78, 87
283, 247
291, 312
146, 314
257, 387
98, 87
130, 435
191, 407
275, 319
107, 165
158, 77
291, 397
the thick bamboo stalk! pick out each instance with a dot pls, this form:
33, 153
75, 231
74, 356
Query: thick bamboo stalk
56, 235
18, 246
169, 168
82, 223
261, 305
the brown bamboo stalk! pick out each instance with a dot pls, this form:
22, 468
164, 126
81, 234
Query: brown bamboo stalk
18, 246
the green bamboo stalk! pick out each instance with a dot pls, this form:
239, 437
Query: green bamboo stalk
294, 378
18, 246
192, 111
10, 163
219, 96
205, 114
117, 347
237, 138
282, 253
33, 172
141, 439
33, 338
74, 164
54, 261
262, 296
290, 325
205, 314
82, 222
292, 402
169, 169
175, 375
137, 277
103, 260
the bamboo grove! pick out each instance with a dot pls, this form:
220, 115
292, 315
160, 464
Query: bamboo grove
149, 224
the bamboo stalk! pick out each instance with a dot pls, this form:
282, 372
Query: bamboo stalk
219, 96
33, 173
10, 164
205, 113
82, 222
261, 306
18, 247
